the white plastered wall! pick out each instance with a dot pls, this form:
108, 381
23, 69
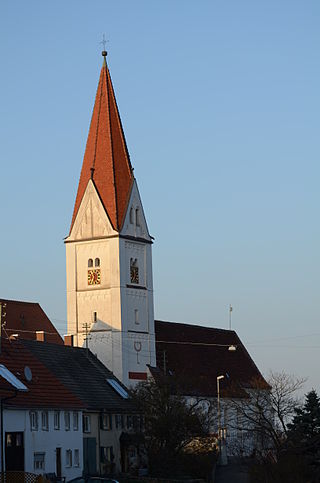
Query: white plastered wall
122, 336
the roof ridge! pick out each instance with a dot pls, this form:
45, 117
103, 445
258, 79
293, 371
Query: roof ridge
112, 149
195, 325
19, 301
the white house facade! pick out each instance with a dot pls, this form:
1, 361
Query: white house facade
49, 441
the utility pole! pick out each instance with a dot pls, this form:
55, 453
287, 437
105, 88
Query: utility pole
3, 314
86, 327
165, 362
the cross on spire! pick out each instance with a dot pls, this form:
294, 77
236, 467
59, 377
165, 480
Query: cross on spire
104, 43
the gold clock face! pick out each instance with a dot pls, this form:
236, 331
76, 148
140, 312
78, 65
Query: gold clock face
94, 276
134, 274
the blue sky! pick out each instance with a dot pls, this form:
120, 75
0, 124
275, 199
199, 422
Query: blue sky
220, 106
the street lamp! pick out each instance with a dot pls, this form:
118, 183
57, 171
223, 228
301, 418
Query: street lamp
219, 413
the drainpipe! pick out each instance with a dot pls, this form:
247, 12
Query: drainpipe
1, 417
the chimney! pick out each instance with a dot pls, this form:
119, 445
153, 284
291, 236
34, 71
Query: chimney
68, 340
40, 336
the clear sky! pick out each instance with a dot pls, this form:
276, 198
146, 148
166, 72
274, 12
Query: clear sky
220, 106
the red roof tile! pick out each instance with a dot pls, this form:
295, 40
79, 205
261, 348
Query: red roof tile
198, 355
106, 158
44, 390
25, 318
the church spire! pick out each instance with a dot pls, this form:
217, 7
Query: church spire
106, 159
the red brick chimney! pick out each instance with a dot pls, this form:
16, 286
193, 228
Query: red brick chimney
68, 340
40, 336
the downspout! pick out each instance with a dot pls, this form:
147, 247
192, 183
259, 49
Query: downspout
99, 451
1, 417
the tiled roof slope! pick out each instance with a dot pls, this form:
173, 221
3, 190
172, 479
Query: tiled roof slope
83, 374
191, 355
44, 390
106, 157
25, 318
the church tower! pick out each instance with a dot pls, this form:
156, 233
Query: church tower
108, 250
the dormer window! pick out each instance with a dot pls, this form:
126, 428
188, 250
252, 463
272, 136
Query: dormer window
90, 263
134, 271
97, 262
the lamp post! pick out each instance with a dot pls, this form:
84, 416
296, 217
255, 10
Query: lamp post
219, 413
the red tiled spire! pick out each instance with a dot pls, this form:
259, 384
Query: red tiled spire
106, 159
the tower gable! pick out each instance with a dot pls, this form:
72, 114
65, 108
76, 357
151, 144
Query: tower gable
135, 223
91, 220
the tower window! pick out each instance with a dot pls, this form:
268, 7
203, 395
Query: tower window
134, 271
97, 262
136, 316
131, 215
137, 217
90, 262
95, 316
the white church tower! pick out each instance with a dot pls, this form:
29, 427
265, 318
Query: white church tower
108, 251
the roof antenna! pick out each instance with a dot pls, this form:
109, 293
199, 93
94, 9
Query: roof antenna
230, 311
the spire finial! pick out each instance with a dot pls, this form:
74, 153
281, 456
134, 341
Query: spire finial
104, 53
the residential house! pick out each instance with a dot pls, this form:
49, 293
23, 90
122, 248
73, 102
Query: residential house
111, 422
39, 433
27, 320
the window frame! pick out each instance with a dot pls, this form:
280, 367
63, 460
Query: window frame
86, 423
56, 420
67, 421
41, 461
68, 458
75, 420
76, 458
106, 421
33, 420
45, 420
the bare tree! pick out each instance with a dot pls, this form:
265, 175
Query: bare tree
264, 411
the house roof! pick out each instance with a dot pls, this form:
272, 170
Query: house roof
197, 355
83, 374
25, 318
106, 159
44, 389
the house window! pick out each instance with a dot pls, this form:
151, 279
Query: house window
39, 461
67, 420
132, 452
134, 271
106, 421
56, 420
45, 421
76, 459
86, 423
119, 421
34, 420
68, 458
75, 421
106, 454
97, 262
90, 263
95, 316
129, 422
